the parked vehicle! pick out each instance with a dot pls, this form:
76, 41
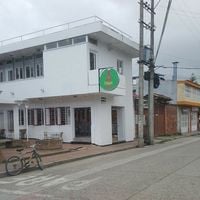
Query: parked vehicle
16, 164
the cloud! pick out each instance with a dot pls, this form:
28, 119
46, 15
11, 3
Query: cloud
181, 40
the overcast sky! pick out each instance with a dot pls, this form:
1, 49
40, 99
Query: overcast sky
181, 41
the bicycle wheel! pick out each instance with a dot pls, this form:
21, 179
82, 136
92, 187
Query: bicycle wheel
39, 161
14, 166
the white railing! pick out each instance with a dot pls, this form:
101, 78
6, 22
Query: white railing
62, 27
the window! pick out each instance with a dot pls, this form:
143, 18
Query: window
198, 94
50, 116
39, 70
1, 76
51, 45
187, 91
10, 120
57, 116
10, 75
38, 117
63, 116
79, 39
31, 117
2, 120
21, 117
32, 71
29, 72
64, 42
19, 73
120, 66
92, 61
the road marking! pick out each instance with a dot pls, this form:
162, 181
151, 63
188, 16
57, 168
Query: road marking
79, 185
19, 192
54, 180
116, 163
36, 180
16, 179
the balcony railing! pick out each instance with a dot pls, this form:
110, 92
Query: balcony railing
62, 27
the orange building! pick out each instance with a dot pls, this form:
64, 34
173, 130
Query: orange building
188, 104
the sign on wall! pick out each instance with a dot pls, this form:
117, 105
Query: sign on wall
109, 79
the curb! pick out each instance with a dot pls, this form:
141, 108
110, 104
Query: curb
47, 165
60, 152
87, 156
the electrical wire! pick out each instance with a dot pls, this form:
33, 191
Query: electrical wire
168, 67
163, 29
191, 20
157, 4
183, 11
178, 57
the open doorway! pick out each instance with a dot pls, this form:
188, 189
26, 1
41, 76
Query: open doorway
82, 118
117, 124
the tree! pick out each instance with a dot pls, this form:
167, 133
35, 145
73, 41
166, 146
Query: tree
193, 78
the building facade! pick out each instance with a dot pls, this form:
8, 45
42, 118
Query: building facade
185, 94
181, 114
165, 116
188, 102
51, 84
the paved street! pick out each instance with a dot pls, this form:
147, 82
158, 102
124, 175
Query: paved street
163, 171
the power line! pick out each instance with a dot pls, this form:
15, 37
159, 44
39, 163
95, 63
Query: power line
191, 20
163, 29
157, 4
182, 11
178, 57
168, 67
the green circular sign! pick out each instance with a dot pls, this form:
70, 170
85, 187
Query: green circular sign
109, 79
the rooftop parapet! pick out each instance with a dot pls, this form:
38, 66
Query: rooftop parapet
62, 27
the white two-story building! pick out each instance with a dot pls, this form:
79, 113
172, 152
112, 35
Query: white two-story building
50, 83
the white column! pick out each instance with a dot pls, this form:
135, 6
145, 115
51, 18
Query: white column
27, 131
129, 124
120, 124
16, 122
102, 124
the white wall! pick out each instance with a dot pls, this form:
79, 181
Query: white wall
65, 70
101, 132
66, 74
107, 57
101, 122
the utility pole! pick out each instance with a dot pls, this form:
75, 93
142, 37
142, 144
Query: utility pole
151, 80
141, 79
149, 60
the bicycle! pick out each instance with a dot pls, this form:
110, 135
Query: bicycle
16, 164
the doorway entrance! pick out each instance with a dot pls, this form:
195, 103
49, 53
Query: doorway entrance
117, 124
82, 118
114, 125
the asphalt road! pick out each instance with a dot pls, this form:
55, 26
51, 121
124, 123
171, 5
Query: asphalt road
160, 172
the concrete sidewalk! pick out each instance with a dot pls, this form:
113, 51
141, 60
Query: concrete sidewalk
73, 152
69, 153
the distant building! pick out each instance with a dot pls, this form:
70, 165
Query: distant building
188, 102
50, 83
185, 95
